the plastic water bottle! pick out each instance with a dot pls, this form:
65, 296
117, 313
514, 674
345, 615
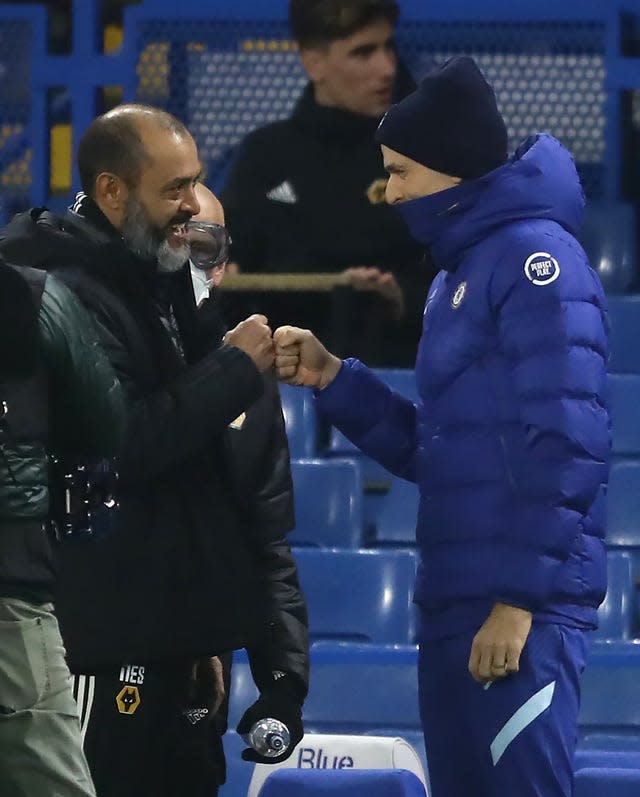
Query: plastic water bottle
268, 737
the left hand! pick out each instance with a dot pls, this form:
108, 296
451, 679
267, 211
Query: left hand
207, 684
497, 646
279, 702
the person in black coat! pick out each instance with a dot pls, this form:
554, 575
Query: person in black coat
175, 578
306, 194
58, 396
261, 467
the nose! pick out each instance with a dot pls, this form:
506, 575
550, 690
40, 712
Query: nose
386, 63
190, 202
392, 193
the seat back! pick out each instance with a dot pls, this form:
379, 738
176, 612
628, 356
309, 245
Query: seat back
396, 513
361, 595
607, 782
328, 499
624, 391
624, 318
610, 695
615, 615
342, 783
623, 504
608, 236
300, 420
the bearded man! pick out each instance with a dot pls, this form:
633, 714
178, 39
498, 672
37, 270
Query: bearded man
173, 580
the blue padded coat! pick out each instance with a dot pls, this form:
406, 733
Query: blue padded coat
510, 442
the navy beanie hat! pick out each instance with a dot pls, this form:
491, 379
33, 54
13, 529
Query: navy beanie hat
450, 123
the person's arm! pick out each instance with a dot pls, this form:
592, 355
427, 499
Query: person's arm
171, 423
280, 665
84, 386
382, 423
553, 336
179, 419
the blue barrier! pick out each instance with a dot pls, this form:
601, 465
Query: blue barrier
557, 66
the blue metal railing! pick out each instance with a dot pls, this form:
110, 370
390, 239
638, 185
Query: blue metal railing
87, 70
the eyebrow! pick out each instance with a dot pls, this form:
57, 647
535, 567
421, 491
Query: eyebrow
370, 47
394, 168
179, 182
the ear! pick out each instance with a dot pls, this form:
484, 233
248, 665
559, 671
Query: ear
314, 60
111, 192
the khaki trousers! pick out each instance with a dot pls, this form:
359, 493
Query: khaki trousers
40, 741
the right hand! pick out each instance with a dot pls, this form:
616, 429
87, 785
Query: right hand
253, 336
302, 360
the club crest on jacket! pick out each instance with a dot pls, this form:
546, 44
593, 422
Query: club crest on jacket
458, 296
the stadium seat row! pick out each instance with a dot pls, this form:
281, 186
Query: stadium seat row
372, 689
336, 488
624, 392
365, 596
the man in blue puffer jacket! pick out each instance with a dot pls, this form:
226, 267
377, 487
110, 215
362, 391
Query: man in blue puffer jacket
509, 443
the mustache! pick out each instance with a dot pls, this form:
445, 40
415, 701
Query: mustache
181, 218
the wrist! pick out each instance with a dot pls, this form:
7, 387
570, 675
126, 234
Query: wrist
330, 371
506, 608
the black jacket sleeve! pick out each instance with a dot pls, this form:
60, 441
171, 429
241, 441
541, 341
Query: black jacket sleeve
262, 463
178, 420
172, 422
286, 645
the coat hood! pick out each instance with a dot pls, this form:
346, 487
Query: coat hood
539, 181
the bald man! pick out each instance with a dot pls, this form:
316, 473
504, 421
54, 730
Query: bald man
211, 211
262, 475
172, 580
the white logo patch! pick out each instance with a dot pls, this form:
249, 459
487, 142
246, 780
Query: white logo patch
541, 268
459, 295
194, 715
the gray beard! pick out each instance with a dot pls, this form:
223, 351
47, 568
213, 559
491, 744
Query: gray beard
143, 240
171, 259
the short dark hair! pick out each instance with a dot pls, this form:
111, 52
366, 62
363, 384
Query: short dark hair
113, 143
319, 22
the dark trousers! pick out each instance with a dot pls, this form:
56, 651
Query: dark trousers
147, 733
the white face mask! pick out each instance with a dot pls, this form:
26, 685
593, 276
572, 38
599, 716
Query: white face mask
201, 285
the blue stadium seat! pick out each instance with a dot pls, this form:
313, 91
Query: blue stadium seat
395, 514
623, 504
361, 688
374, 476
618, 759
615, 615
300, 420
625, 415
328, 498
605, 782
354, 688
610, 705
359, 595
608, 236
624, 315
342, 783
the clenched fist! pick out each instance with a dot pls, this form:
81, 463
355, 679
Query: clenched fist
302, 360
253, 336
